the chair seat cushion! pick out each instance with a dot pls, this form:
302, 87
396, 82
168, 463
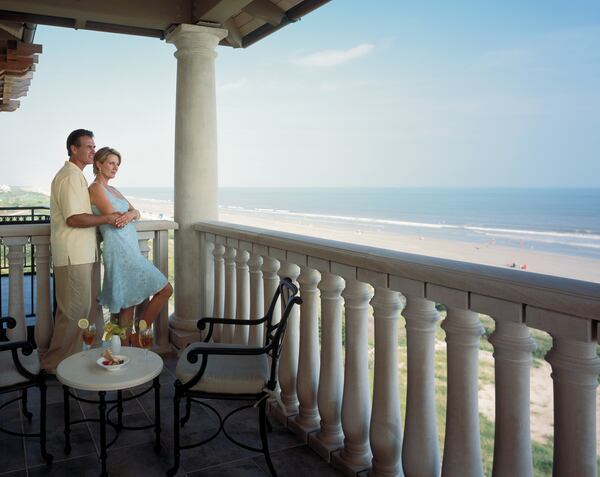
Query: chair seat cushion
9, 374
228, 374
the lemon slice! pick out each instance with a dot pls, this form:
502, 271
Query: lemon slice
83, 323
142, 325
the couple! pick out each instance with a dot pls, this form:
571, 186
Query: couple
75, 211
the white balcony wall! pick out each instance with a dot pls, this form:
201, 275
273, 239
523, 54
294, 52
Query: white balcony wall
327, 398
15, 238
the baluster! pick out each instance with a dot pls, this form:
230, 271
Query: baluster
288, 361
270, 267
16, 305
386, 422
462, 449
421, 451
143, 243
219, 303
329, 396
356, 403
160, 257
230, 292
575, 367
96, 313
255, 337
307, 419
43, 312
513, 346
242, 296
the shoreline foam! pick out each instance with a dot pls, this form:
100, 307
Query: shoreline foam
485, 251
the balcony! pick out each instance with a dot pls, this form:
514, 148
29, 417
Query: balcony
350, 396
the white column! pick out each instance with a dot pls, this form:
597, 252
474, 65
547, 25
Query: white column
255, 337
288, 361
329, 396
195, 166
462, 448
44, 323
16, 305
421, 450
356, 403
219, 294
307, 420
242, 309
386, 422
230, 293
513, 346
575, 367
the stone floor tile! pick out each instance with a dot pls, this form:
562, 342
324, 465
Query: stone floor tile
298, 462
244, 468
85, 466
139, 460
11, 447
81, 440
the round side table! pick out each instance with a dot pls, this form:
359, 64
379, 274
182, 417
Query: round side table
81, 372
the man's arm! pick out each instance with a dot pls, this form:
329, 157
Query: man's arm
91, 220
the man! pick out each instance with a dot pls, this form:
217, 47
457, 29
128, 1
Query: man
74, 249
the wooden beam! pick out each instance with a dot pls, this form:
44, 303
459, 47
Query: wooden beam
16, 66
234, 37
10, 105
266, 11
218, 11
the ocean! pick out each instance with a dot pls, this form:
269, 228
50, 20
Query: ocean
565, 221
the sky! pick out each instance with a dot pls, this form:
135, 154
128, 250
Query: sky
404, 94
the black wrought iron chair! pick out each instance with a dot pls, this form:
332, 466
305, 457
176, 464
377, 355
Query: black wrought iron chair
233, 372
19, 371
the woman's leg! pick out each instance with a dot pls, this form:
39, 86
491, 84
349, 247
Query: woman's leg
156, 304
126, 321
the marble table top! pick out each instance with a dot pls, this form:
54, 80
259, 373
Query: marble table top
80, 371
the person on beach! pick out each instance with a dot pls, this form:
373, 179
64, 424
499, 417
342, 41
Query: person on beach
129, 278
74, 250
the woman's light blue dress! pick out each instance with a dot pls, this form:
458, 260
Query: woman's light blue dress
129, 278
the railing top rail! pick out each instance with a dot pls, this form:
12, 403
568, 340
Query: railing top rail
574, 297
27, 230
25, 207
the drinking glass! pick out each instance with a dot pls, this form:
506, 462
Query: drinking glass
89, 334
146, 338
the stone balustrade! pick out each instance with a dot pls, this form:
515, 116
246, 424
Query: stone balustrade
327, 396
18, 238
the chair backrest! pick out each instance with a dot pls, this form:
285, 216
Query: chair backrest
286, 296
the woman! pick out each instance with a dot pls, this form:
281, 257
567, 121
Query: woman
129, 278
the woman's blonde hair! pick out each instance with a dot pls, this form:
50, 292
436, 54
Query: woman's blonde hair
101, 156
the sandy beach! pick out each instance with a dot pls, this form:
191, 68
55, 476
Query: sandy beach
487, 253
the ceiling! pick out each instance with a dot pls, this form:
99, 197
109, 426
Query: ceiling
247, 22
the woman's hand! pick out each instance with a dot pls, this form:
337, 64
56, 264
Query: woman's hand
127, 217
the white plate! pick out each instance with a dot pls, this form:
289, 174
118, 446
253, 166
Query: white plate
113, 367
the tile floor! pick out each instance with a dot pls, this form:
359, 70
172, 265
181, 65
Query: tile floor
133, 454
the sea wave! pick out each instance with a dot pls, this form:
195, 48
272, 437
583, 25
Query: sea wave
587, 235
517, 234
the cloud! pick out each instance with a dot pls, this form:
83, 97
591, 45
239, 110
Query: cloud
326, 58
232, 85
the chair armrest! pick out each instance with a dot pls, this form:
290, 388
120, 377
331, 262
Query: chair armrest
192, 355
201, 324
9, 320
27, 349
10, 324
17, 345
